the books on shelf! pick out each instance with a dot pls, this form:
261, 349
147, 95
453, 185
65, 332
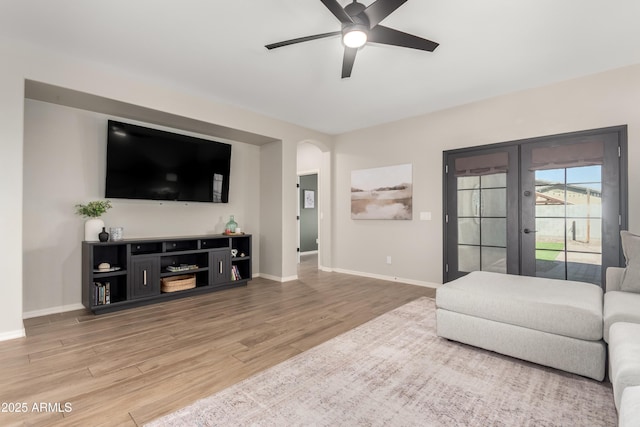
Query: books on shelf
235, 273
102, 293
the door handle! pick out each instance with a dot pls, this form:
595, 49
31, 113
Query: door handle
527, 231
144, 277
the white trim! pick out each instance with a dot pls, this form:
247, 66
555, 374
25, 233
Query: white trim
308, 253
327, 269
278, 279
5, 336
52, 310
309, 172
388, 278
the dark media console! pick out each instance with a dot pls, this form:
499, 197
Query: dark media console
134, 272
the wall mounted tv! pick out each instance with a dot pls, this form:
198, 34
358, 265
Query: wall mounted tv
144, 163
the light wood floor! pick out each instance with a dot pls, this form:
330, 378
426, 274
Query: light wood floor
129, 367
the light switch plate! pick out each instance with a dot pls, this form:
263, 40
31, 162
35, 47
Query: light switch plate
425, 216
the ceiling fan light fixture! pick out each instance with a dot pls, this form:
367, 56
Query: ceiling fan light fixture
354, 36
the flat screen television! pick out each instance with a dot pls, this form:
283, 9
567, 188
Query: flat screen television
152, 164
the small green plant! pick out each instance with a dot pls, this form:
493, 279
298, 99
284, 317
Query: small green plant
93, 209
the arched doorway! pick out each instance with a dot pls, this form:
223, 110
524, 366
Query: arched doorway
314, 201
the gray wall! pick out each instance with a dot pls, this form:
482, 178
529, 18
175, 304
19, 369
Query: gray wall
606, 99
308, 217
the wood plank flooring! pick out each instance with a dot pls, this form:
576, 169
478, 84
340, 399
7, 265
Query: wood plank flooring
129, 367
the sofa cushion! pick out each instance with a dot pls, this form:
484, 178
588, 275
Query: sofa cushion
630, 408
631, 249
624, 348
572, 309
620, 307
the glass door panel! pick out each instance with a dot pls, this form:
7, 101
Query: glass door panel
562, 219
493, 259
468, 258
479, 226
494, 232
568, 220
482, 223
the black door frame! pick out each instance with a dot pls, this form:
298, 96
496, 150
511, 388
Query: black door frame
623, 208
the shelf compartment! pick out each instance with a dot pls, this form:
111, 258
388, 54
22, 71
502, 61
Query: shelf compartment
215, 243
201, 259
146, 248
243, 267
242, 244
202, 278
117, 286
114, 255
180, 245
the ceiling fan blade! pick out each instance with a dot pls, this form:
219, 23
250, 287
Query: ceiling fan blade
380, 9
347, 61
385, 35
302, 39
337, 11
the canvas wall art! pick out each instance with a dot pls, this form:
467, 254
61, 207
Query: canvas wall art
382, 193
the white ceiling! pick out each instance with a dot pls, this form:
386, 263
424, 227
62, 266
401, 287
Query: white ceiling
215, 48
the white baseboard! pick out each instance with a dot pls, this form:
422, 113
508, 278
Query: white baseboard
388, 278
52, 310
11, 335
327, 269
277, 278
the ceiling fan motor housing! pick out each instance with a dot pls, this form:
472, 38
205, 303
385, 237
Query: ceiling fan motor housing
355, 11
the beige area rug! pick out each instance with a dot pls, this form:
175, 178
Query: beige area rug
395, 371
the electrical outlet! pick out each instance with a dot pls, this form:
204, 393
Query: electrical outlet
388, 259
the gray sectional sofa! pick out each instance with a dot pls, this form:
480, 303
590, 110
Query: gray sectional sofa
570, 326
622, 333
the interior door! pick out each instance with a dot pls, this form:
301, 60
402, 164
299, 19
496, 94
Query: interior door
481, 218
570, 207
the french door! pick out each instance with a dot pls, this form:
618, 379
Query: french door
547, 207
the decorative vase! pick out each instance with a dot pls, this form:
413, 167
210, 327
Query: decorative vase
230, 228
92, 229
103, 236
116, 233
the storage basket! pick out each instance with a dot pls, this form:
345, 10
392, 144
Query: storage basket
178, 283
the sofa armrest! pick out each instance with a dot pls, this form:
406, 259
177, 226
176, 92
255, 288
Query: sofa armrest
614, 278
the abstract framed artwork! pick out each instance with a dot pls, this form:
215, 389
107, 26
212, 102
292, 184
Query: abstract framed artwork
382, 193
309, 199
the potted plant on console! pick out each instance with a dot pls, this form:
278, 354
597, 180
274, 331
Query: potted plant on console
93, 226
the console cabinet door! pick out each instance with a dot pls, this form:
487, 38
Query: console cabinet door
145, 278
220, 267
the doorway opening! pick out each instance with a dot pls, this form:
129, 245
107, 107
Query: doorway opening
312, 165
308, 214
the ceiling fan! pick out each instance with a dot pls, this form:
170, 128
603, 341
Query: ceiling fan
359, 26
